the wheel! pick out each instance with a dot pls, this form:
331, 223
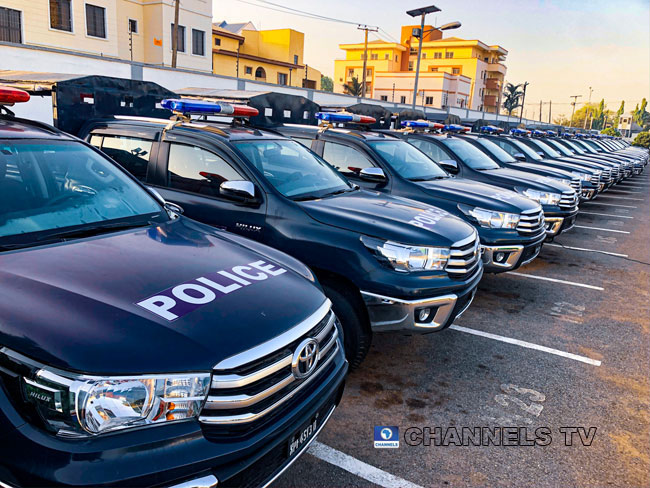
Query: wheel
356, 334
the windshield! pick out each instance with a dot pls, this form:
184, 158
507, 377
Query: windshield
48, 187
575, 147
546, 148
471, 155
293, 170
586, 147
527, 150
593, 146
495, 151
561, 147
408, 161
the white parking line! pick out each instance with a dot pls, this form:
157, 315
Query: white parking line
601, 229
358, 468
554, 280
624, 191
622, 198
528, 345
608, 204
590, 250
606, 215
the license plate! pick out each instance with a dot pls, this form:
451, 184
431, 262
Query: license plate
302, 436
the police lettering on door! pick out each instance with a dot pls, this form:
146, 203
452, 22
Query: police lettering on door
182, 299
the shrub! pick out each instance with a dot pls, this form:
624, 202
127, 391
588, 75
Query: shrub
642, 139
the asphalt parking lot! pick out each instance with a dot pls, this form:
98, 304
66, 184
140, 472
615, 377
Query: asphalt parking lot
568, 351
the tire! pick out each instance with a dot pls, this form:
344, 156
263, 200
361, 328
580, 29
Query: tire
356, 333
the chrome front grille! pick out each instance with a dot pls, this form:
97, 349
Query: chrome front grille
615, 173
576, 184
464, 257
248, 386
606, 175
531, 222
569, 200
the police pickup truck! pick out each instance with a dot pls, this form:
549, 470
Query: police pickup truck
386, 263
510, 226
139, 347
459, 157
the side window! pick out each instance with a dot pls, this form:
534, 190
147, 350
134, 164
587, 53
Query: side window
199, 171
96, 141
434, 151
346, 159
512, 150
133, 154
304, 141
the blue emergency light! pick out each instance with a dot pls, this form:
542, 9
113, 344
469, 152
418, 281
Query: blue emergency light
344, 117
453, 128
551, 133
538, 133
203, 107
421, 124
518, 132
491, 129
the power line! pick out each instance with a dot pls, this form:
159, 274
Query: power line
299, 13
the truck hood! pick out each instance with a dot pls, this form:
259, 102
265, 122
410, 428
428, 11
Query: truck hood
521, 179
591, 163
541, 169
75, 305
390, 218
477, 194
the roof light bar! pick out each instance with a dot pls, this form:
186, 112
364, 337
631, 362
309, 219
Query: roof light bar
518, 132
551, 133
454, 128
491, 129
9, 96
201, 107
345, 117
538, 133
421, 124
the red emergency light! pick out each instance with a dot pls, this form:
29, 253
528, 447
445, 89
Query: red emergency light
9, 96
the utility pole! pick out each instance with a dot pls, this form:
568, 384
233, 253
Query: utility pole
575, 100
365, 28
588, 110
393, 93
523, 100
175, 33
550, 102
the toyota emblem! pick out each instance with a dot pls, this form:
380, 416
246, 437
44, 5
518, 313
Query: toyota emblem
305, 359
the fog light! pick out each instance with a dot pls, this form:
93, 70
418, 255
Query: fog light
423, 315
500, 257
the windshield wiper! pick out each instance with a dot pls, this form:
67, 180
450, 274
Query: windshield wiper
429, 178
94, 230
338, 192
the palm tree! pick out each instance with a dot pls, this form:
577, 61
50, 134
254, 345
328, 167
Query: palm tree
354, 87
511, 96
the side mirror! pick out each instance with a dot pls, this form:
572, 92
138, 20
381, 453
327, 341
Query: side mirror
450, 165
540, 153
239, 190
520, 157
174, 208
373, 174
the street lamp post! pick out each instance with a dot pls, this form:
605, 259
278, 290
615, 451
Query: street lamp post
523, 101
422, 12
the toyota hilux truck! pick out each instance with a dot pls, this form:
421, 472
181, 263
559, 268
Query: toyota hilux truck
584, 180
386, 263
559, 201
139, 347
587, 146
629, 163
510, 226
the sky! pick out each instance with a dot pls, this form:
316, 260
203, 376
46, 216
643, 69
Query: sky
561, 47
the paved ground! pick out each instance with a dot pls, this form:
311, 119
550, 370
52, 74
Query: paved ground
457, 379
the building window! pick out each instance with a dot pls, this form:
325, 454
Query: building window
350, 73
198, 42
449, 54
424, 55
295, 59
434, 70
402, 99
428, 101
445, 99
248, 70
260, 73
386, 56
282, 78
133, 26
413, 50
217, 41
437, 55
383, 98
180, 40
410, 65
374, 56
61, 15
96, 21
455, 71
368, 72
396, 58
11, 25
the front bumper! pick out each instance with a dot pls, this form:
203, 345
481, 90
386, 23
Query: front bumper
389, 314
556, 225
499, 259
588, 194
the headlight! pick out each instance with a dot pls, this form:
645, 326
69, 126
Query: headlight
583, 176
406, 258
562, 180
542, 197
83, 405
490, 218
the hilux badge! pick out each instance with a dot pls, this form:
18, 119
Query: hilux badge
304, 359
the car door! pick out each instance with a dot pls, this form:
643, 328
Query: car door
190, 173
133, 153
350, 160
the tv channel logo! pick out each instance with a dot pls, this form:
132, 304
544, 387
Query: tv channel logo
386, 436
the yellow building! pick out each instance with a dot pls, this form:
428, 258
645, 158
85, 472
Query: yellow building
272, 56
474, 71
138, 30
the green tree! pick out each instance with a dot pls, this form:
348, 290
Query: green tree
642, 139
611, 131
511, 96
326, 83
354, 87
641, 116
561, 120
598, 116
619, 112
